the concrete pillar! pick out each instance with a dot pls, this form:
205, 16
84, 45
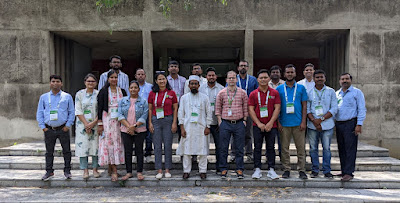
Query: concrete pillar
148, 55
248, 49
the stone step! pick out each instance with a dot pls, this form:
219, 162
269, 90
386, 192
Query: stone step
362, 163
362, 180
38, 149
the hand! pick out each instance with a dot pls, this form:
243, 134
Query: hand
261, 126
131, 130
358, 130
219, 122
183, 132
269, 126
100, 130
174, 128
319, 127
151, 127
65, 129
45, 129
88, 130
280, 127
303, 126
317, 122
206, 131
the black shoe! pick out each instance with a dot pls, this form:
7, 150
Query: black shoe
47, 176
302, 175
314, 174
223, 174
328, 175
286, 174
186, 176
67, 175
239, 174
203, 176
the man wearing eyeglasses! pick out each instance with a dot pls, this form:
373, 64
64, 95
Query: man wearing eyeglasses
123, 79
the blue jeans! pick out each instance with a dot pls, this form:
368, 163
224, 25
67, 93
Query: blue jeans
313, 137
238, 131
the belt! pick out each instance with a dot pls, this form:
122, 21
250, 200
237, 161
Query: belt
233, 121
55, 128
346, 120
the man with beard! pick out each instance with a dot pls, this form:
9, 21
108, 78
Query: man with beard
292, 120
196, 70
211, 89
275, 77
308, 81
123, 79
194, 118
349, 120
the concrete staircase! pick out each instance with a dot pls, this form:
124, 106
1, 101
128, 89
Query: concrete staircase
22, 165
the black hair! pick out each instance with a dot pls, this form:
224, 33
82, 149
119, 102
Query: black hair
108, 76
90, 75
196, 64
210, 69
242, 60
173, 62
134, 81
262, 71
351, 77
139, 70
275, 67
57, 77
289, 66
309, 65
114, 57
155, 87
319, 71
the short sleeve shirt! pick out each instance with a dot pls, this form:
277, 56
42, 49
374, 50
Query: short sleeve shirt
293, 119
273, 99
169, 101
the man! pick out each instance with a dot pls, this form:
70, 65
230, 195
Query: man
275, 77
196, 70
231, 111
248, 83
264, 108
321, 108
349, 120
211, 89
176, 81
55, 115
308, 81
292, 120
123, 79
145, 89
194, 118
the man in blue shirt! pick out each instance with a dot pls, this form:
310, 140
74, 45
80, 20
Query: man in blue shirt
55, 115
292, 120
321, 108
349, 120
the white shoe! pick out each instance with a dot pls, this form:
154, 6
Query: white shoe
168, 175
272, 174
148, 159
159, 176
257, 174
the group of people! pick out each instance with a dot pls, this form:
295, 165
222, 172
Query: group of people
122, 113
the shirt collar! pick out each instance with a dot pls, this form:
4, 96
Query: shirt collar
294, 84
324, 87
59, 93
268, 89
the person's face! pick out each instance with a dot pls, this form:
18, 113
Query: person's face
55, 84
161, 80
211, 77
173, 69
197, 70
243, 67
319, 79
194, 85
275, 74
113, 79
90, 83
290, 74
263, 79
308, 72
140, 75
115, 63
231, 79
134, 89
345, 81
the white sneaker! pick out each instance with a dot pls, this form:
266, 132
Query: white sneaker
148, 159
272, 174
159, 176
257, 174
168, 175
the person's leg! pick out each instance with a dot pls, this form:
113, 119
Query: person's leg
270, 146
258, 141
66, 148
95, 162
351, 142
224, 139
279, 144
239, 137
285, 141
233, 147
299, 141
138, 140
83, 162
341, 145
127, 140
187, 163
50, 138
249, 137
167, 138
202, 163
149, 144
326, 137
313, 140
157, 141
215, 134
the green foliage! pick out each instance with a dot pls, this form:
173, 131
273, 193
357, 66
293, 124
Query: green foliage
100, 4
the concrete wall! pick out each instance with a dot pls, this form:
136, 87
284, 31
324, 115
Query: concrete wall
26, 53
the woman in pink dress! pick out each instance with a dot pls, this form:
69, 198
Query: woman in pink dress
111, 149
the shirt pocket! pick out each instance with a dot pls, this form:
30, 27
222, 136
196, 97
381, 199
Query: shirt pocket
64, 104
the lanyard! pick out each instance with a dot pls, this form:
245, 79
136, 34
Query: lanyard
230, 99
109, 94
294, 94
319, 97
266, 99
58, 105
247, 82
165, 96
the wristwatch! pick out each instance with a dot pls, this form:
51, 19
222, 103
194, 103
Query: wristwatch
134, 125
322, 118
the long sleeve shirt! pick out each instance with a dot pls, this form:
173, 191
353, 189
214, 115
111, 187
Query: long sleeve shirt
326, 97
123, 81
351, 104
239, 106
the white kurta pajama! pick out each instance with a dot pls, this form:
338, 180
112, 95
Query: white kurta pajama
195, 142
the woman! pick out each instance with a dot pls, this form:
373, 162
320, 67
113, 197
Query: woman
133, 112
86, 140
111, 150
163, 105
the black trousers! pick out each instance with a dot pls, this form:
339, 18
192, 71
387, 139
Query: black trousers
270, 146
347, 145
50, 138
128, 141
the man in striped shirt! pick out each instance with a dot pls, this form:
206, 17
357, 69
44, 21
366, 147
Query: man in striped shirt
123, 79
231, 111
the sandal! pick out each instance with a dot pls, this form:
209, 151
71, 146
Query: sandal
127, 176
140, 176
114, 177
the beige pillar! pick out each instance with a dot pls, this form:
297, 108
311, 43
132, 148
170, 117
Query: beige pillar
248, 49
148, 55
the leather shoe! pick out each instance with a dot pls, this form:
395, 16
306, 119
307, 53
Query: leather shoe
186, 176
346, 178
203, 176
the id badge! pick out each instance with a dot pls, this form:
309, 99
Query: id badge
319, 110
159, 113
114, 113
264, 112
212, 107
88, 115
290, 108
53, 115
194, 116
229, 112
340, 102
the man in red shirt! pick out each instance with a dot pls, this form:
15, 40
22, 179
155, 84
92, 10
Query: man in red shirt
264, 109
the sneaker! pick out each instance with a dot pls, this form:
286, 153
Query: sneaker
257, 174
168, 175
232, 159
47, 176
302, 175
148, 159
286, 174
159, 176
314, 174
68, 175
223, 174
249, 158
239, 174
272, 174
328, 175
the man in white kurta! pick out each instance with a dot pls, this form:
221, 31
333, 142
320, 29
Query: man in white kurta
194, 117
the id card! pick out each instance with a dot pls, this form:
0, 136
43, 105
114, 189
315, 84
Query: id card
88, 115
290, 108
212, 107
159, 113
319, 110
229, 112
53, 115
264, 112
194, 116
114, 113
340, 102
